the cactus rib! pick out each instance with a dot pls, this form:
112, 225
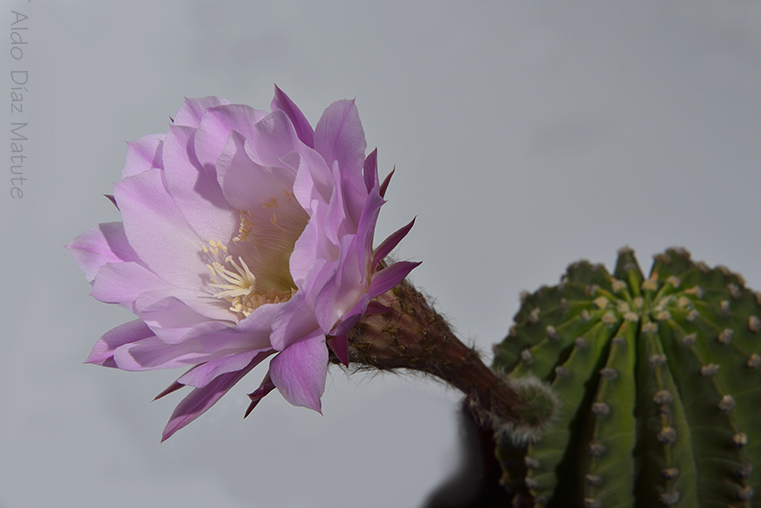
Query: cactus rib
658, 379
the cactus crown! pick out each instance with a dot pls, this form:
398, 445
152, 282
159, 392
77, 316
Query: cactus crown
659, 383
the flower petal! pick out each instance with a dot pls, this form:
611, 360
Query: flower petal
247, 185
180, 308
389, 243
311, 252
355, 314
272, 138
253, 332
143, 154
129, 333
339, 137
170, 389
155, 353
211, 136
343, 290
205, 373
339, 223
299, 372
105, 243
370, 171
192, 110
194, 188
340, 346
314, 180
264, 388
366, 231
293, 322
152, 353
386, 181
123, 283
390, 277
157, 230
201, 399
375, 307
299, 121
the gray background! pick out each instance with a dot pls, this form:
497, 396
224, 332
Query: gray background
525, 135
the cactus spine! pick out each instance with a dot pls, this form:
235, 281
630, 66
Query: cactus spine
659, 383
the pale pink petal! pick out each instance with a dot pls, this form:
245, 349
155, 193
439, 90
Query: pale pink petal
123, 282
337, 223
292, 322
390, 277
320, 274
314, 180
299, 121
170, 389
343, 290
129, 333
201, 399
152, 353
355, 314
143, 154
247, 185
299, 372
201, 302
311, 251
105, 243
370, 171
157, 230
366, 230
192, 110
251, 333
386, 181
215, 128
264, 388
273, 137
170, 335
203, 374
390, 243
339, 137
195, 192
180, 308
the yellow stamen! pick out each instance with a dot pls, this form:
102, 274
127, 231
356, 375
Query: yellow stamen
248, 303
240, 284
246, 225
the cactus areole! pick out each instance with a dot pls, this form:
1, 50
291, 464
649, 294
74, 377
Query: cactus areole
659, 381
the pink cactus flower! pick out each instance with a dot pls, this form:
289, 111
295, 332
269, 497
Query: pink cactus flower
245, 234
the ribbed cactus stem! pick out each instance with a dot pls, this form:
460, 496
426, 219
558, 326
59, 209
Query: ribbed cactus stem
412, 335
659, 383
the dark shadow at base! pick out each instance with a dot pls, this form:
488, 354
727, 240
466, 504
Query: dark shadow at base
476, 483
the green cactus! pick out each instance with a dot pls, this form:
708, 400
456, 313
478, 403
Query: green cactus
659, 386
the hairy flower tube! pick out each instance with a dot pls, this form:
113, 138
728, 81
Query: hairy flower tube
245, 234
